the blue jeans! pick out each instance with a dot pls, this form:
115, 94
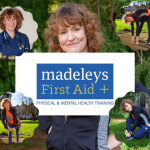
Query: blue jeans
16, 131
144, 130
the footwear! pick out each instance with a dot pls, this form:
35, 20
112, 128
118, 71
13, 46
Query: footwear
129, 138
148, 42
17, 141
148, 136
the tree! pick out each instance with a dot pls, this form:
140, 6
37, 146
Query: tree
30, 108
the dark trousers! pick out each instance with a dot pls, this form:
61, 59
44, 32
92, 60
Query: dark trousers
148, 26
16, 131
144, 130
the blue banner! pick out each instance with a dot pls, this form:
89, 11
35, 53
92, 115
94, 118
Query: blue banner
74, 81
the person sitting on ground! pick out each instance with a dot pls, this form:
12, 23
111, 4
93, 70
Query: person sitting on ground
138, 117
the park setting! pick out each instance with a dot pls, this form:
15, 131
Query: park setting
118, 120
116, 38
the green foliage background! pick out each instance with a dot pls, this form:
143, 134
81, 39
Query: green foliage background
41, 11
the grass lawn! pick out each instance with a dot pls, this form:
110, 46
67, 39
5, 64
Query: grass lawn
118, 128
26, 129
121, 26
36, 142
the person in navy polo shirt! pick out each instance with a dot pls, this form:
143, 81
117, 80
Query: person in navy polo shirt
12, 42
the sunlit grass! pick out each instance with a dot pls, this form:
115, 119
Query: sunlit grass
26, 129
118, 127
121, 26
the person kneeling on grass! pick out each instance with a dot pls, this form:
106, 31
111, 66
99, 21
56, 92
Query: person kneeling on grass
140, 15
138, 117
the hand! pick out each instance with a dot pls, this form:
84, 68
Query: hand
137, 41
49, 129
126, 131
133, 39
10, 129
128, 135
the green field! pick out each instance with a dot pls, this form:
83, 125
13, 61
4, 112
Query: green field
118, 128
26, 129
121, 26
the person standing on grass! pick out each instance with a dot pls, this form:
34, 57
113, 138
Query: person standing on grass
9, 114
138, 117
140, 15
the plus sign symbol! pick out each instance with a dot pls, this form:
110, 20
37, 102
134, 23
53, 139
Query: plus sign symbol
104, 89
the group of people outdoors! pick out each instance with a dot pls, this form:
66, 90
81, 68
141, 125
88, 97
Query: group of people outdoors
75, 29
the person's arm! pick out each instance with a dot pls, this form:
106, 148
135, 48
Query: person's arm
137, 27
136, 119
14, 113
26, 47
132, 29
1, 46
3, 115
140, 88
45, 123
103, 132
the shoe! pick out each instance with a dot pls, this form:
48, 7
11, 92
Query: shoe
148, 42
17, 141
129, 138
148, 136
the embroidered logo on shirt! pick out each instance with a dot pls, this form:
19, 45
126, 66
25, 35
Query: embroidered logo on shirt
8, 118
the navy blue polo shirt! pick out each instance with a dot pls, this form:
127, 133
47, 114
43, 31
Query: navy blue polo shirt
12, 47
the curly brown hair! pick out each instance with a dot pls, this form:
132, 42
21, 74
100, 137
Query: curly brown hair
125, 17
123, 105
4, 101
8, 13
70, 13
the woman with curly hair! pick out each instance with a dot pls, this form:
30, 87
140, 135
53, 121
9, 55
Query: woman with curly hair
138, 117
73, 28
140, 15
9, 114
12, 42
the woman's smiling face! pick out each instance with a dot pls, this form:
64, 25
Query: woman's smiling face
10, 23
128, 107
6, 105
72, 39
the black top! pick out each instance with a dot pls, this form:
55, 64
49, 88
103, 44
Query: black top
13, 111
140, 116
75, 132
138, 16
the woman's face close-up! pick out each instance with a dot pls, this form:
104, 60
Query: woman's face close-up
128, 107
6, 105
73, 39
10, 23
130, 19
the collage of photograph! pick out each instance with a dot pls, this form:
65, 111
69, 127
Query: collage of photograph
74, 26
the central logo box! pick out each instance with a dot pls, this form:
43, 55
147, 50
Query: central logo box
74, 81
